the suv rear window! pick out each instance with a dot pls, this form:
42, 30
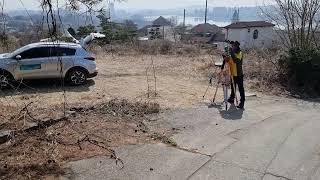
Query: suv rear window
59, 51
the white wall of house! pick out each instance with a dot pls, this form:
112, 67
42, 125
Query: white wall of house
266, 37
164, 32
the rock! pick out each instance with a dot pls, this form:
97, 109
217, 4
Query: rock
251, 95
4, 136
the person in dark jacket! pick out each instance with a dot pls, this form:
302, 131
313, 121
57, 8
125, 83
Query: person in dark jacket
237, 73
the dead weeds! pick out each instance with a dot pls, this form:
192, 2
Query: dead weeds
89, 131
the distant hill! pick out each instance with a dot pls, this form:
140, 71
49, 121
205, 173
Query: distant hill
19, 19
214, 13
72, 19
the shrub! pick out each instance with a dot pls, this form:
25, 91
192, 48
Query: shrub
190, 50
155, 47
85, 30
165, 47
301, 68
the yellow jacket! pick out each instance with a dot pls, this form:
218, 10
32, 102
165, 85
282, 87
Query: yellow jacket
235, 64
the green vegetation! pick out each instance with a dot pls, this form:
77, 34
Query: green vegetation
301, 69
300, 66
124, 32
85, 30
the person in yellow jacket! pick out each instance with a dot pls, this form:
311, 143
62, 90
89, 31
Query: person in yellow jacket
235, 61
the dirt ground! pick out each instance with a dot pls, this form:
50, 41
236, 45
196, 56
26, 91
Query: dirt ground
164, 81
180, 82
41, 152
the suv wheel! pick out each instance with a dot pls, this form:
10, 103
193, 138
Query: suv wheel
5, 80
77, 77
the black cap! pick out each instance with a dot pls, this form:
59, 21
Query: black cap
237, 43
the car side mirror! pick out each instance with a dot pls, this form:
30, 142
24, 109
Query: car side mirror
18, 57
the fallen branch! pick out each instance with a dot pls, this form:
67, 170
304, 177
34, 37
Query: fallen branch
23, 132
93, 142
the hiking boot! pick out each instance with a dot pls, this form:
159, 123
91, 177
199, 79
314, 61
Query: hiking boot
240, 106
231, 100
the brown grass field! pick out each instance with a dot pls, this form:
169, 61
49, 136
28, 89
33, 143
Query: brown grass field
145, 80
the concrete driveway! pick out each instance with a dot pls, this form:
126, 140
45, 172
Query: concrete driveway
273, 139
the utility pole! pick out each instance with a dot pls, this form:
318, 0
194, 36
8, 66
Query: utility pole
206, 13
184, 17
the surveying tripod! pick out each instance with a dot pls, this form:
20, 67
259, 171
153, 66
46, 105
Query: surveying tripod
225, 79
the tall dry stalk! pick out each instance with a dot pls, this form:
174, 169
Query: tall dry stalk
153, 69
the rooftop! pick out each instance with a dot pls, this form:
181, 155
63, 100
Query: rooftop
248, 24
205, 28
161, 21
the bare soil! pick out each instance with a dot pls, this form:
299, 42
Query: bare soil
99, 123
180, 82
89, 131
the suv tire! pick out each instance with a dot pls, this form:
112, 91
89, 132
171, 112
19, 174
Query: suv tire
77, 77
6, 80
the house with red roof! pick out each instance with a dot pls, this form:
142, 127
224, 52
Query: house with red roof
252, 34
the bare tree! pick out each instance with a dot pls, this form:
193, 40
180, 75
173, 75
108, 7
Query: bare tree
91, 6
3, 24
3, 17
299, 21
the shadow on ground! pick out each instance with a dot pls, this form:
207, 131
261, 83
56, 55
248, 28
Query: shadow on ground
44, 86
231, 114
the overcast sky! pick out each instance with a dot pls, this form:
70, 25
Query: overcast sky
148, 4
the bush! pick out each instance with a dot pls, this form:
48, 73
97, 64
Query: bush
301, 68
190, 50
155, 47
165, 47
83, 31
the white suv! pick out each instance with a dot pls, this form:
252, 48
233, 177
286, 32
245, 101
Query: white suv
48, 60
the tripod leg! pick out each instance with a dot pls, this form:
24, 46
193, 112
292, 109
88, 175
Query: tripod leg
206, 91
226, 99
215, 94
225, 93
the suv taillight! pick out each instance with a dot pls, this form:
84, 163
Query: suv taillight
90, 58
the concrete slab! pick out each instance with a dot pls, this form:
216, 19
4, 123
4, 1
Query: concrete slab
273, 139
315, 175
260, 143
221, 171
269, 107
272, 177
206, 129
156, 161
299, 157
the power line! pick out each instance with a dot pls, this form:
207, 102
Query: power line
206, 13
27, 12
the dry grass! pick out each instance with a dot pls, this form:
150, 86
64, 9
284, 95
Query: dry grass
182, 74
156, 47
182, 77
262, 72
91, 131
2, 50
181, 82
